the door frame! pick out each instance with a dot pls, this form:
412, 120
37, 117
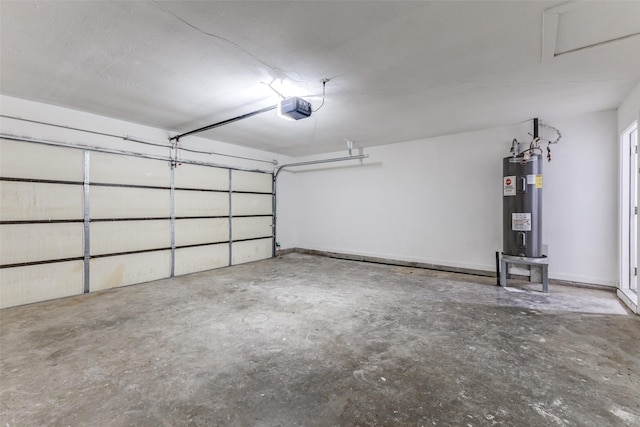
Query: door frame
629, 201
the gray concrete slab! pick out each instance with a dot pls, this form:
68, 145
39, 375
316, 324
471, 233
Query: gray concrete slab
307, 340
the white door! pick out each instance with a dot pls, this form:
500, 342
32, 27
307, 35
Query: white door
630, 169
633, 201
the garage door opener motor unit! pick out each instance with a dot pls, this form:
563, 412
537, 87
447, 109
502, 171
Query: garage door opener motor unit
294, 108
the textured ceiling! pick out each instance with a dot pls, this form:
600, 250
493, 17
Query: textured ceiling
399, 70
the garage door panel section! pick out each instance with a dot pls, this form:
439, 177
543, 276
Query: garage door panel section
130, 227
128, 170
201, 177
120, 202
202, 218
40, 162
35, 283
36, 201
192, 203
253, 182
29, 243
252, 227
123, 270
111, 237
200, 258
201, 231
251, 204
41, 229
251, 250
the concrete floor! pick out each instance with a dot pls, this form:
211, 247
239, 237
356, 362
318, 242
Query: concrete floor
305, 340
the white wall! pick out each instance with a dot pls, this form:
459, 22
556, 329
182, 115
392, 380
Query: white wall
439, 200
581, 200
287, 209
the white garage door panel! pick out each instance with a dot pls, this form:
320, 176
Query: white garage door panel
201, 258
123, 270
37, 161
118, 169
28, 284
251, 181
29, 201
126, 236
252, 250
119, 202
197, 231
249, 228
201, 177
201, 203
40, 242
251, 204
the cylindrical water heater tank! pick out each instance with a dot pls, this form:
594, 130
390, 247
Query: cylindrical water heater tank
522, 206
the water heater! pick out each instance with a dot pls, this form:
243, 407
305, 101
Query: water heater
522, 206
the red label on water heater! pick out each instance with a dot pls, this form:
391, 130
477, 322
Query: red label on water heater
509, 186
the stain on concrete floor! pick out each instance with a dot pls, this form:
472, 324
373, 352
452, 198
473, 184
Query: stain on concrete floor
310, 341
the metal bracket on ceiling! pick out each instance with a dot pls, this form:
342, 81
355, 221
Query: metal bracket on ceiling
349, 145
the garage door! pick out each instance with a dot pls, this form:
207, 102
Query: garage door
74, 221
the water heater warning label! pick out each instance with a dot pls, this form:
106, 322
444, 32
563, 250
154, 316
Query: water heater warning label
509, 186
521, 221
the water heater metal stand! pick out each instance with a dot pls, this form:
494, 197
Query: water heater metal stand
505, 260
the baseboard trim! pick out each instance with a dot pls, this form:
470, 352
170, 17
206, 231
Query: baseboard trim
280, 252
427, 266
